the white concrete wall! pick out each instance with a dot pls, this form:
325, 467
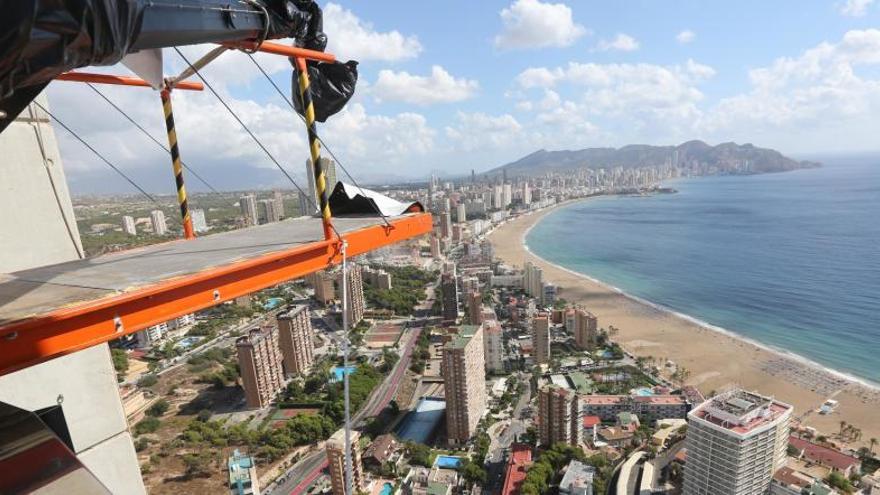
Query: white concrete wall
37, 228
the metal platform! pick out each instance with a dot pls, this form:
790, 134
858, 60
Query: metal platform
58, 309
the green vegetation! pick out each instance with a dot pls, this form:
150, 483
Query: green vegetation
147, 425
421, 353
389, 359
148, 381
839, 481
120, 362
407, 289
420, 454
158, 408
545, 470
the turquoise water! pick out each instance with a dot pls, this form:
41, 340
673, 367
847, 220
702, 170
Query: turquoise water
339, 372
387, 488
790, 260
448, 461
272, 303
644, 392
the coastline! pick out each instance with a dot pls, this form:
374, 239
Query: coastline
718, 358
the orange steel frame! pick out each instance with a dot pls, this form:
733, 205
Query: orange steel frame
67, 330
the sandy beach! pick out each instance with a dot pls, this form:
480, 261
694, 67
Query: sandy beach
716, 360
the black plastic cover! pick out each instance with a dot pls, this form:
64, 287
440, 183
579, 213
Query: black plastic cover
332, 85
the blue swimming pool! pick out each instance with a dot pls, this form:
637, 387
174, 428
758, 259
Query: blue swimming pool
387, 488
644, 392
338, 372
448, 461
273, 302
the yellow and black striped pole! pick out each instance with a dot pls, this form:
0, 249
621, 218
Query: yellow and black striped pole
314, 147
175, 162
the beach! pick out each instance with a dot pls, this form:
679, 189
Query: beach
717, 360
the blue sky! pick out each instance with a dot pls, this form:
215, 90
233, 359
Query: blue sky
454, 85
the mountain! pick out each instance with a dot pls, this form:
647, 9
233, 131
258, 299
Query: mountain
728, 157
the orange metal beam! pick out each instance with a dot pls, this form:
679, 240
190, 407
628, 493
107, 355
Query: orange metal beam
279, 49
29, 342
122, 80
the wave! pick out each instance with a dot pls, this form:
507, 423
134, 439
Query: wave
784, 353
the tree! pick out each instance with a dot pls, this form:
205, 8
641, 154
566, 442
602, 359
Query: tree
473, 472
197, 465
148, 381
839, 481
158, 408
873, 443
120, 361
147, 425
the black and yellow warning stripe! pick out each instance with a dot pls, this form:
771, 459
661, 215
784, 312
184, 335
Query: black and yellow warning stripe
175, 161
314, 146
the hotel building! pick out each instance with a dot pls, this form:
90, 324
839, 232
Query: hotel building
463, 372
295, 336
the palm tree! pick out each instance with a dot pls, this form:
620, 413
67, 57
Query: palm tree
872, 442
842, 427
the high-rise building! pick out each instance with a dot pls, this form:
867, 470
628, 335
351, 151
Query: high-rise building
335, 449
356, 305
584, 326
295, 337
248, 206
533, 278
474, 307
461, 213
549, 293
463, 370
157, 219
559, 417
494, 346
446, 224
279, 203
526, 194
541, 338
507, 195
267, 211
735, 442
498, 197
260, 361
329, 167
200, 224
306, 207
128, 225
322, 282
435, 247
450, 296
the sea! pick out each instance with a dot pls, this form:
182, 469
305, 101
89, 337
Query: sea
788, 260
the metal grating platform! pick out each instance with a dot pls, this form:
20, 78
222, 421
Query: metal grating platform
56, 309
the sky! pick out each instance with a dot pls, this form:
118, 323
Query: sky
447, 87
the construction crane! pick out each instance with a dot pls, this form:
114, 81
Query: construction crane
45, 41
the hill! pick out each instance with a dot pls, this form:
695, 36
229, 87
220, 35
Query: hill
727, 157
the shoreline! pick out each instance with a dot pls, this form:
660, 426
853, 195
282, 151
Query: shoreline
741, 360
805, 361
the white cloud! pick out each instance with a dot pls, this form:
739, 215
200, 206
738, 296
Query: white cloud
535, 24
685, 36
479, 131
349, 37
438, 87
539, 77
621, 43
855, 8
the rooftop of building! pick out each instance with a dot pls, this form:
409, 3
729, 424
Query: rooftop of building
821, 454
239, 469
577, 474
591, 421
292, 311
520, 460
740, 411
254, 335
463, 337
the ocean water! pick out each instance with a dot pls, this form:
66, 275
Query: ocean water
789, 260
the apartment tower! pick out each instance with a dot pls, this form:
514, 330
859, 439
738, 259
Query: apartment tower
559, 418
735, 442
356, 305
260, 360
295, 336
541, 338
584, 328
335, 449
463, 371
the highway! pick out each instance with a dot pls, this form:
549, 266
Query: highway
301, 476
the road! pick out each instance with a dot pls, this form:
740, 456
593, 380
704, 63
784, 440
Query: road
502, 435
301, 476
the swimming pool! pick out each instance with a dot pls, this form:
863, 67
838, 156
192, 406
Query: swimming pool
338, 372
448, 462
387, 488
644, 392
273, 302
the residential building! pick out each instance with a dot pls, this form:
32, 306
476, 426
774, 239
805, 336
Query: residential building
356, 304
128, 225
377, 278
735, 442
295, 337
461, 213
494, 346
648, 408
584, 327
533, 277
507, 195
463, 371
474, 307
559, 416
517, 466
322, 282
381, 450
151, 335
825, 456
267, 211
541, 339
578, 479
549, 293
200, 224
435, 247
157, 220
243, 479
279, 203
248, 206
260, 361
449, 288
526, 194
335, 449
445, 224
